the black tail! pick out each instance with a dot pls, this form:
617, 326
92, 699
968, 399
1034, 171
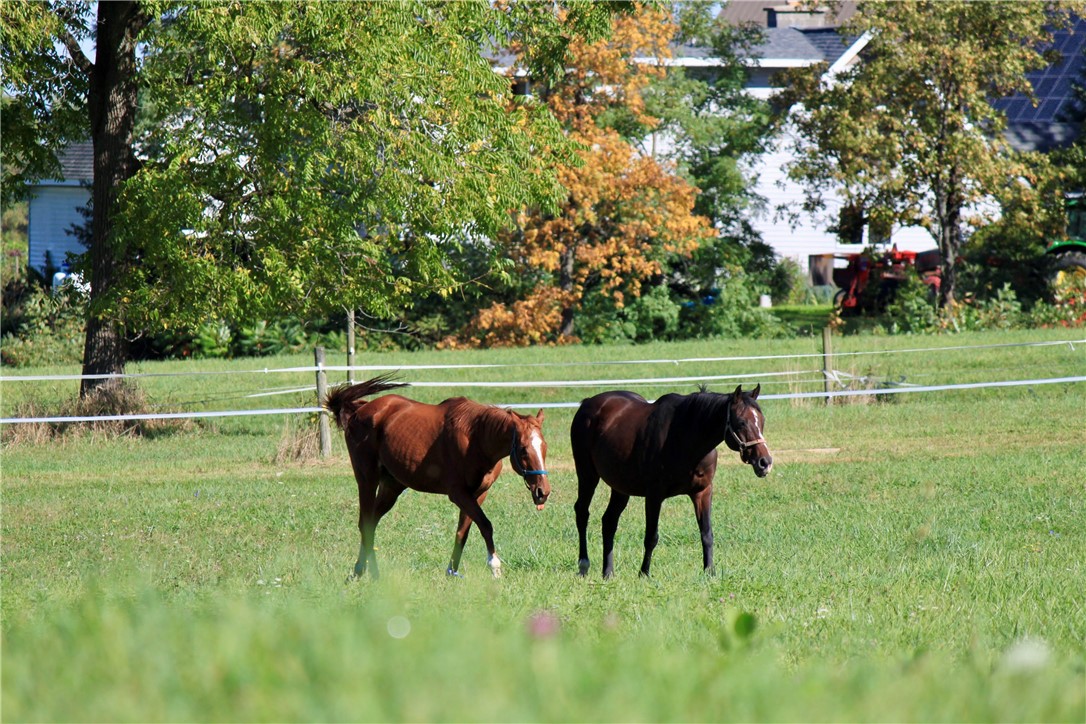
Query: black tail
339, 398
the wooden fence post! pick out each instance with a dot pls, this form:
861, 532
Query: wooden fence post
827, 361
322, 392
350, 346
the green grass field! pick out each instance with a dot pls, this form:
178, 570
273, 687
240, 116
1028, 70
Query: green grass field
916, 557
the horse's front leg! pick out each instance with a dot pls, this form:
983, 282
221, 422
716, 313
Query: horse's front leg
703, 503
652, 523
470, 507
462, 530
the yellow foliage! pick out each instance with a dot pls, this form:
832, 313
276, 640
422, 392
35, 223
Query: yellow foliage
529, 321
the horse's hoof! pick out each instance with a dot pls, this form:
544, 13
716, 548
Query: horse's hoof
582, 567
452, 574
495, 564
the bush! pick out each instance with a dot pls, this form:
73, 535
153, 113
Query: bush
114, 398
732, 312
1068, 309
912, 310
652, 316
219, 339
1004, 311
42, 328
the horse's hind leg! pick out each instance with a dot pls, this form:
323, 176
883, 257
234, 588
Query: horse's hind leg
587, 480
367, 525
703, 503
387, 493
615, 506
582, 508
366, 475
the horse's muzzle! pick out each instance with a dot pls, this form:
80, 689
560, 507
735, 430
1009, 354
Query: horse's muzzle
540, 491
762, 465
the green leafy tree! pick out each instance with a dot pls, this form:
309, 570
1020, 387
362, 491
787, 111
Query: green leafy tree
712, 122
908, 134
714, 126
301, 157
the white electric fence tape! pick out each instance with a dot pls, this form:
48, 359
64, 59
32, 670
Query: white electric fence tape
393, 368
551, 383
785, 396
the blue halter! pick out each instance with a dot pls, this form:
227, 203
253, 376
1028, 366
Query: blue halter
516, 465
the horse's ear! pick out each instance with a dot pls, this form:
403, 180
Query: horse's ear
754, 394
738, 391
539, 415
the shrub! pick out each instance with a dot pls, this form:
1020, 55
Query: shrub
912, 310
652, 316
115, 398
1067, 309
732, 312
42, 328
1004, 311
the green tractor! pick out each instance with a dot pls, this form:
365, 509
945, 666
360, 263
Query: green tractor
1068, 255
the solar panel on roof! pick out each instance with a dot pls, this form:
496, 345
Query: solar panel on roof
1059, 90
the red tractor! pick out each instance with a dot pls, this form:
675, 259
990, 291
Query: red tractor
868, 280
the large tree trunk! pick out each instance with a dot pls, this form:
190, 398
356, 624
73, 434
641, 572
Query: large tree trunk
949, 210
113, 104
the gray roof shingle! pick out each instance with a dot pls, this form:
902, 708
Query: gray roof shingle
77, 162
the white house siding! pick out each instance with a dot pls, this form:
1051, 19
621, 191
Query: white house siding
797, 234
54, 210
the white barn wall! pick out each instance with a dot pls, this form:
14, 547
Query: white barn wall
799, 234
53, 210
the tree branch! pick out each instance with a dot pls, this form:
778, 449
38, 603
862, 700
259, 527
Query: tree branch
75, 52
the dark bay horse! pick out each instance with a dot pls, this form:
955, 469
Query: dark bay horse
454, 449
658, 451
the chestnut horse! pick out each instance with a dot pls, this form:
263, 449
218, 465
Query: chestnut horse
454, 449
658, 451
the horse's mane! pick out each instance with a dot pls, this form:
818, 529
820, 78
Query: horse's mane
703, 407
476, 415
700, 412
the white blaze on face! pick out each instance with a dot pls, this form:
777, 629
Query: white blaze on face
535, 442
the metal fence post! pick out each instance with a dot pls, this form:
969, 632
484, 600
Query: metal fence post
322, 392
827, 361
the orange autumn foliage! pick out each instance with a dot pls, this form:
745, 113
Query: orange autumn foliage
625, 213
524, 323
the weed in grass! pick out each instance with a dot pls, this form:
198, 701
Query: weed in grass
300, 441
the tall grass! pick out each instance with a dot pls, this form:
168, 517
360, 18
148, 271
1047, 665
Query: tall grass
919, 559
